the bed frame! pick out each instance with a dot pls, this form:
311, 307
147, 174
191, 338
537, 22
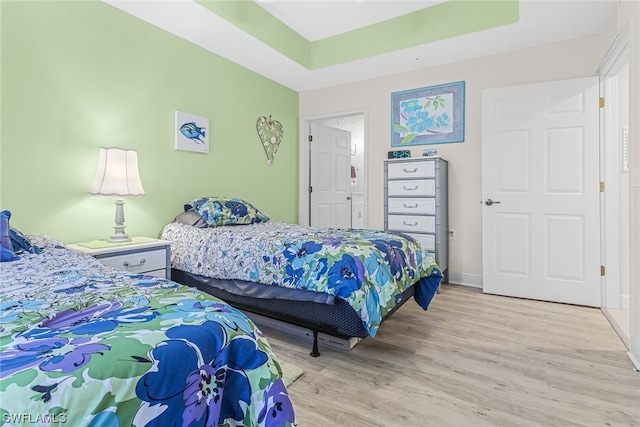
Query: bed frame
335, 318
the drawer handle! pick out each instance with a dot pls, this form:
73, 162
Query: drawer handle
410, 225
410, 206
410, 188
127, 265
410, 171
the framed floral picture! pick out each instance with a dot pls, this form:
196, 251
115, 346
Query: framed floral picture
428, 115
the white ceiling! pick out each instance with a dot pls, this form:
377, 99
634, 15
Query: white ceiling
541, 22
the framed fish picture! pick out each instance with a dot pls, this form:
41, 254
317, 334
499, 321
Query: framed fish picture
191, 132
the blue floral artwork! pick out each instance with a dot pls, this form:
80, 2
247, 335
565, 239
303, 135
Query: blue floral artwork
191, 132
429, 115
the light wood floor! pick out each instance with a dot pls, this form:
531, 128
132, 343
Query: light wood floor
470, 360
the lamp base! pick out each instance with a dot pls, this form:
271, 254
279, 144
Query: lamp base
119, 238
119, 235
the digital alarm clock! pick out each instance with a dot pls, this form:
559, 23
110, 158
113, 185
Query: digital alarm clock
399, 154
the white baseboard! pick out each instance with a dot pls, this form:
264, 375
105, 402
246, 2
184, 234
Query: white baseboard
624, 301
635, 359
465, 279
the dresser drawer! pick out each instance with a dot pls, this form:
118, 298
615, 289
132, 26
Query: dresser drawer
411, 206
428, 241
140, 262
410, 223
411, 170
412, 187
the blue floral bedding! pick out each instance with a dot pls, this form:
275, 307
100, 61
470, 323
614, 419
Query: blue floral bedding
84, 344
367, 268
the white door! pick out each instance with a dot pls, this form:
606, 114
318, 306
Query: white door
330, 190
540, 189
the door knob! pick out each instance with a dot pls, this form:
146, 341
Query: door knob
348, 197
489, 202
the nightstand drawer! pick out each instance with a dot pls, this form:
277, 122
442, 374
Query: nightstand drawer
412, 187
141, 262
410, 223
412, 206
411, 170
157, 273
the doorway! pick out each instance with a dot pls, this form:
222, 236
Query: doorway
615, 90
354, 122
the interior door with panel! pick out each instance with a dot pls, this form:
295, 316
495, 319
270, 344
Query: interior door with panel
330, 177
541, 191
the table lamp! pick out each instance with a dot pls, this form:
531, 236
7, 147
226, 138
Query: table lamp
118, 175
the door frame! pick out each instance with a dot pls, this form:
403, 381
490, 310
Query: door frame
617, 56
304, 162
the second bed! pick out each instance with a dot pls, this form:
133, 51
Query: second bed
342, 282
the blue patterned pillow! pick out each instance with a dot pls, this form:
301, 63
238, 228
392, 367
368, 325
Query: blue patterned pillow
218, 211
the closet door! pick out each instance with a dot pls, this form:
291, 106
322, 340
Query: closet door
541, 191
330, 177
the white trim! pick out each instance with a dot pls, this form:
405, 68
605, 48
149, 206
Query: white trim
613, 321
609, 199
471, 280
624, 301
634, 359
304, 162
617, 56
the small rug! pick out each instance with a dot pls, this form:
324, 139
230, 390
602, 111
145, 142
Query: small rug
290, 372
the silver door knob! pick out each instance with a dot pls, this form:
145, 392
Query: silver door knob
489, 202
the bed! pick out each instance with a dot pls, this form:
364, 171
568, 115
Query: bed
342, 282
84, 344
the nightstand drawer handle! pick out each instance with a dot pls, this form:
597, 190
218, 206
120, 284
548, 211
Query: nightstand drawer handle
410, 171
410, 206
410, 188
410, 225
127, 265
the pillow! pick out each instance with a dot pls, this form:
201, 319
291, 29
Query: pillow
191, 218
218, 211
18, 242
6, 247
21, 243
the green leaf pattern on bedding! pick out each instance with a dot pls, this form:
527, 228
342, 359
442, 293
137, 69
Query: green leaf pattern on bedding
84, 344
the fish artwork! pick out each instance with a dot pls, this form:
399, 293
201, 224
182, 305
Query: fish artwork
192, 131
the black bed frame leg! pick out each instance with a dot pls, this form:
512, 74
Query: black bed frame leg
314, 351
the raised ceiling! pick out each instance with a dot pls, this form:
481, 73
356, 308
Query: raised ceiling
310, 44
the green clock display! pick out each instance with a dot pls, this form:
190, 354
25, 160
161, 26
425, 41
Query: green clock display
399, 154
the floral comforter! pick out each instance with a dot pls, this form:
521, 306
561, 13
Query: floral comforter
369, 269
84, 344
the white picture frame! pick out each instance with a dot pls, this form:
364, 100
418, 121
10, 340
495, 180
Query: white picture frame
191, 132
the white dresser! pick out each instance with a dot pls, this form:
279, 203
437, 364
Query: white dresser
416, 203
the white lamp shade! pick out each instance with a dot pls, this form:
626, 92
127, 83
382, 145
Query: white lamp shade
117, 173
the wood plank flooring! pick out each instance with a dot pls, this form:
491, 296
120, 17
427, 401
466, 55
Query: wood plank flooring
470, 360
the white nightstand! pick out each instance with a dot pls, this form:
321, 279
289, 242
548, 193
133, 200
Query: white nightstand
142, 255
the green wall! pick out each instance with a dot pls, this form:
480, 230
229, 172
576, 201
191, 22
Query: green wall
80, 75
